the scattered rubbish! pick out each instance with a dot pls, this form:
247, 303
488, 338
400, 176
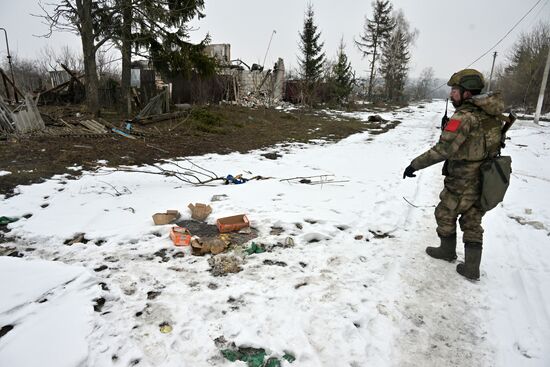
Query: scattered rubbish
166, 218
200, 211
165, 328
314, 180
379, 234
252, 356
180, 236
218, 197
246, 230
289, 242
120, 132
217, 246
214, 246
78, 238
198, 248
255, 357
224, 264
237, 180
7, 220
254, 249
233, 223
24, 118
94, 126
226, 238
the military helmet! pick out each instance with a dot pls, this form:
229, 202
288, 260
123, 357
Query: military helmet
469, 79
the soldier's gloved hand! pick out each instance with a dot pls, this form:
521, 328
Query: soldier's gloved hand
409, 172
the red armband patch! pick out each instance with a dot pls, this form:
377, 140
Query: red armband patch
452, 125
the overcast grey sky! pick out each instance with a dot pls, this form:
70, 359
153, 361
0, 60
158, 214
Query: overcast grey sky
452, 34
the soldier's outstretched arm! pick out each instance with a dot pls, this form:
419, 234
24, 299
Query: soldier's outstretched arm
451, 139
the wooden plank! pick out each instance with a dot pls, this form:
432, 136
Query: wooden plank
16, 90
98, 126
66, 124
72, 74
105, 123
90, 125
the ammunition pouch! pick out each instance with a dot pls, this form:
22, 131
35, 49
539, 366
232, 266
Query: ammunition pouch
495, 179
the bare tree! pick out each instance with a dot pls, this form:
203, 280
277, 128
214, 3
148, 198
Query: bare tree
424, 84
50, 60
520, 79
91, 20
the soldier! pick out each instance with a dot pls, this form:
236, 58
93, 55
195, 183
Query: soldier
472, 135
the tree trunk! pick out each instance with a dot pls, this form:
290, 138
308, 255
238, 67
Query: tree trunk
371, 79
84, 8
126, 51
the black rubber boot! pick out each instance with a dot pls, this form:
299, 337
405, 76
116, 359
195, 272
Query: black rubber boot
472, 259
446, 251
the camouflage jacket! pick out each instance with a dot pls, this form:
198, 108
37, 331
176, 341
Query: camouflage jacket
472, 134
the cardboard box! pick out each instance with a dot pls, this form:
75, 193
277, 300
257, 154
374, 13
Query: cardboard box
180, 236
200, 211
166, 218
233, 223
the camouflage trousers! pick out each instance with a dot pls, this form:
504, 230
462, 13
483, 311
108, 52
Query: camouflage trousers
460, 200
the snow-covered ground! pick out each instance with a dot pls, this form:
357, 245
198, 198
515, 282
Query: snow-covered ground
356, 289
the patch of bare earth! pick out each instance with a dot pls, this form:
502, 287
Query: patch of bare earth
215, 129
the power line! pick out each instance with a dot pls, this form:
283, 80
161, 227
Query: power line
506, 35
496, 44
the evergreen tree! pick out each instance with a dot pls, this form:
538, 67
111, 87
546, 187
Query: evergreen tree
158, 30
312, 59
343, 75
375, 32
395, 58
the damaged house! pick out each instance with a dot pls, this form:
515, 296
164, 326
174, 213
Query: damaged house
237, 82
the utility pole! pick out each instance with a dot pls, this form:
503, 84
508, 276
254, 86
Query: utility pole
543, 87
491, 76
11, 66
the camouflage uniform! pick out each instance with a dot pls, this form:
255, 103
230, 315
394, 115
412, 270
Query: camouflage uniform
471, 135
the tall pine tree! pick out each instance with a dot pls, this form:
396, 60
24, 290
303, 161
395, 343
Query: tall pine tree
375, 32
313, 58
394, 63
343, 75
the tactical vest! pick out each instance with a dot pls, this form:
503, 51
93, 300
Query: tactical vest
484, 137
